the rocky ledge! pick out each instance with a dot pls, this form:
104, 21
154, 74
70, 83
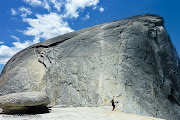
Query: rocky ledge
24, 101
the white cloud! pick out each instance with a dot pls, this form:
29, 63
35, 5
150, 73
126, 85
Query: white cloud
33, 2
36, 40
57, 4
3, 60
16, 38
86, 17
46, 26
39, 3
25, 11
95, 7
13, 12
101, 9
21, 31
46, 5
1, 42
7, 52
19, 46
72, 6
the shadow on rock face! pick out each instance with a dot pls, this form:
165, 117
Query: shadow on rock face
28, 111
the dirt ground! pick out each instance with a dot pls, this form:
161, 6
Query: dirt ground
79, 113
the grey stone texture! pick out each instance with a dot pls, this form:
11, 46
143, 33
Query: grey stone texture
131, 60
22, 101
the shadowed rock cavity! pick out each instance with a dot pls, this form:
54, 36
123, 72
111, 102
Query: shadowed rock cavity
132, 60
24, 103
30, 110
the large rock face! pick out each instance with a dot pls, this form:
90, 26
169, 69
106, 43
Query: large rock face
132, 60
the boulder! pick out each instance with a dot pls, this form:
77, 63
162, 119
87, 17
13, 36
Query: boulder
18, 102
131, 60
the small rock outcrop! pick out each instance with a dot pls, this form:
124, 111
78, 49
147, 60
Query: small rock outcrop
18, 102
131, 60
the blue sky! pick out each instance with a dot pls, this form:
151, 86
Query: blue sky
25, 22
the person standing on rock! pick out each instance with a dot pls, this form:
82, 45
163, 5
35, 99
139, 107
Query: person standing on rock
113, 104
